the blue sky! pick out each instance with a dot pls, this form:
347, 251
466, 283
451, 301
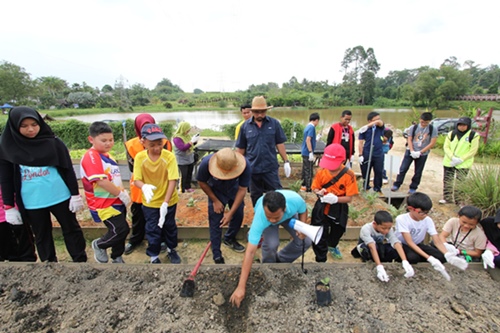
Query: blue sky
224, 45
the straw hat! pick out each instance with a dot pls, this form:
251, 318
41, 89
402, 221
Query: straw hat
259, 104
226, 164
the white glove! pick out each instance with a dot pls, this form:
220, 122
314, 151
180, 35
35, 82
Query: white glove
124, 197
381, 274
330, 198
415, 154
147, 190
455, 161
438, 266
318, 136
311, 157
163, 213
451, 249
361, 159
488, 259
13, 216
363, 129
195, 138
75, 203
408, 269
288, 169
456, 261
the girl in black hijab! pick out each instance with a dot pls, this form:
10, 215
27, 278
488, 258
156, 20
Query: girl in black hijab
36, 171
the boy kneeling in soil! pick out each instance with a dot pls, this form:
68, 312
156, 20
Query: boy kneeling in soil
411, 229
372, 245
156, 174
461, 236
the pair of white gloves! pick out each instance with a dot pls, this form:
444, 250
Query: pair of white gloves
13, 216
148, 191
415, 154
382, 274
455, 161
487, 257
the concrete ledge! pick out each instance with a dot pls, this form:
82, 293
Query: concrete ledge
202, 233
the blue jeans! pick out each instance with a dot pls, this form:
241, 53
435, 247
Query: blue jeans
377, 164
215, 229
154, 234
290, 252
405, 165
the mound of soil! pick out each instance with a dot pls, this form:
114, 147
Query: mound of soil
280, 298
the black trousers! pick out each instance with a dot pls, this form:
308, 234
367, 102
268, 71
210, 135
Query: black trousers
138, 224
449, 180
414, 258
115, 237
186, 176
332, 232
16, 242
41, 224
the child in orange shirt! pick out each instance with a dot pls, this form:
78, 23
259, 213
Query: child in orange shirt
335, 195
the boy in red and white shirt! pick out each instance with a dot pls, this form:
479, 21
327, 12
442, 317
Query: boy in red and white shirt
106, 198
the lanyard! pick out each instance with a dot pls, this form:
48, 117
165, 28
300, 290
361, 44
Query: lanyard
456, 238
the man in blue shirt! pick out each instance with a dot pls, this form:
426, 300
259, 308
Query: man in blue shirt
307, 151
373, 130
259, 138
224, 177
274, 209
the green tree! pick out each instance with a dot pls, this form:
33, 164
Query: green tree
139, 95
15, 83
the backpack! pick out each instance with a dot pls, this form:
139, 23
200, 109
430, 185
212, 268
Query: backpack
471, 136
431, 128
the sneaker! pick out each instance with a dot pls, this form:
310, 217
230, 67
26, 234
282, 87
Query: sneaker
219, 260
100, 255
129, 248
156, 261
394, 188
163, 248
412, 190
443, 201
174, 257
303, 189
363, 252
234, 245
189, 190
335, 252
118, 260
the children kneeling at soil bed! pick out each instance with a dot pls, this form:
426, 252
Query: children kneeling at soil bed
406, 243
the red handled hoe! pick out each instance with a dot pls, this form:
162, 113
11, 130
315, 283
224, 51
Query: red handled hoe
188, 286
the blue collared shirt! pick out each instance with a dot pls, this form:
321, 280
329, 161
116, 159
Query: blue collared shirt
260, 143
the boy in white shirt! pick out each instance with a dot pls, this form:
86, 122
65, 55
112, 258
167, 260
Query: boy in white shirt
411, 229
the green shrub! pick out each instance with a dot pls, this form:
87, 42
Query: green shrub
480, 188
290, 127
230, 129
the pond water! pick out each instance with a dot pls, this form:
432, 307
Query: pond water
398, 118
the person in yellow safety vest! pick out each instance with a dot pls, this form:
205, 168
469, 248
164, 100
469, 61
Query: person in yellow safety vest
134, 146
246, 112
460, 147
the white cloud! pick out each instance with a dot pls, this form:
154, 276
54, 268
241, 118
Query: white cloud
228, 45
